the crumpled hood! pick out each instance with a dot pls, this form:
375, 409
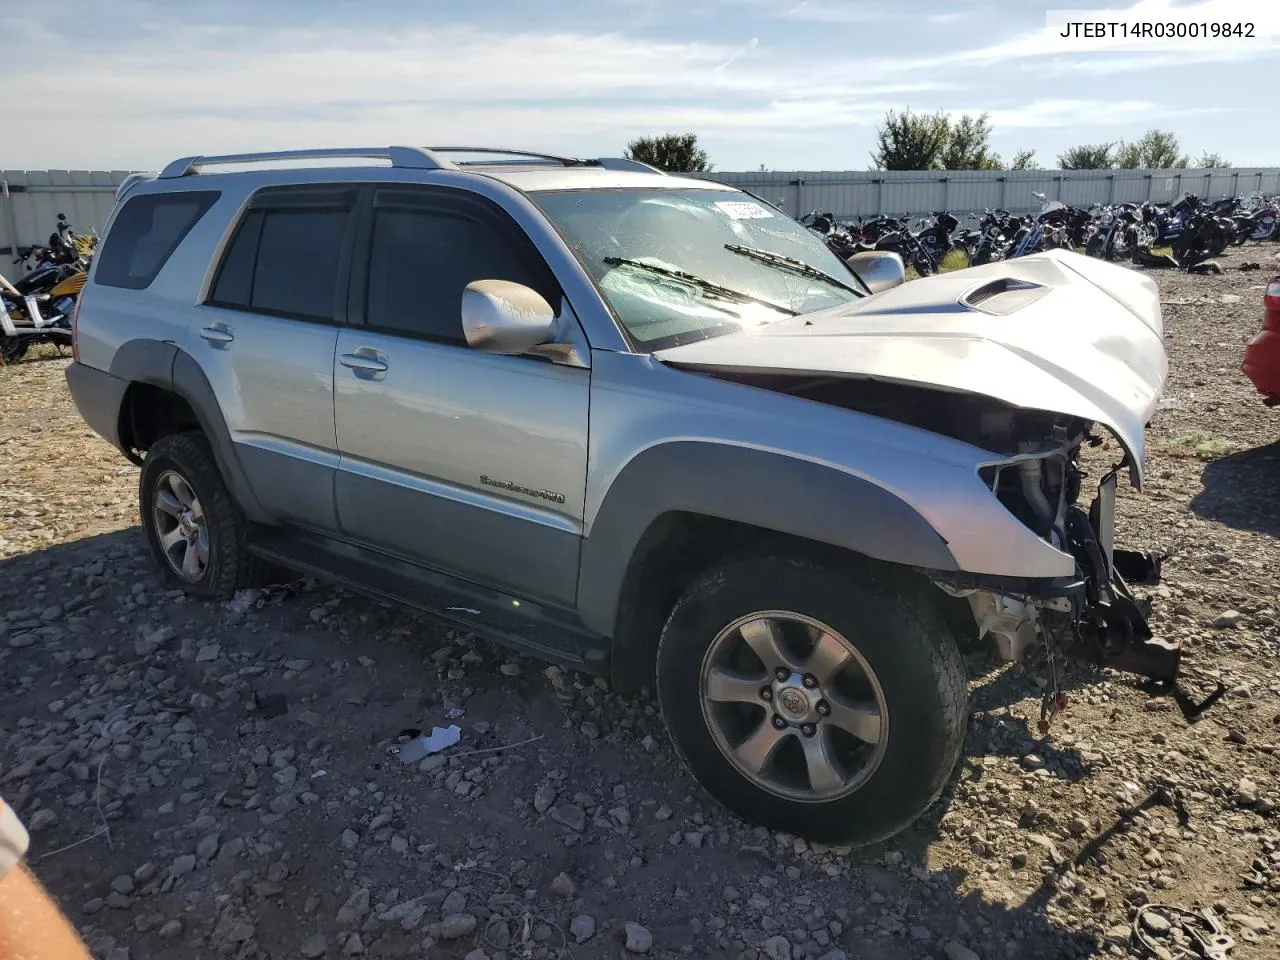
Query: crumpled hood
1055, 331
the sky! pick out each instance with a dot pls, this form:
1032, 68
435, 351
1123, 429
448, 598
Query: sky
788, 84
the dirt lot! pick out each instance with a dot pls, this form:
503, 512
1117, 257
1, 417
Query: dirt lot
174, 815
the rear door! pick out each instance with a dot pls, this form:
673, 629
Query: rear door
468, 462
269, 328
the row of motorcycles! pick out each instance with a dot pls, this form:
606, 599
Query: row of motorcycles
37, 307
1193, 229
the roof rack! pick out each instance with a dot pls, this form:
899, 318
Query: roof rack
417, 158
626, 163
529, 154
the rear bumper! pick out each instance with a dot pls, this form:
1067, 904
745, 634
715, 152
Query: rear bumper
1262, 362
98, 396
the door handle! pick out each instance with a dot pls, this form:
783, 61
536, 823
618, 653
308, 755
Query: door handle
363, 362
217, 334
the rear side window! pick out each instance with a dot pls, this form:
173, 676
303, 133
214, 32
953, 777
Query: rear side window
144, 235
287, 254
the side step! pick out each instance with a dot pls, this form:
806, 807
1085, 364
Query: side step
543, 632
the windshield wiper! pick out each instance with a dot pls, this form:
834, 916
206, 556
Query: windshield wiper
798, 267
724, 293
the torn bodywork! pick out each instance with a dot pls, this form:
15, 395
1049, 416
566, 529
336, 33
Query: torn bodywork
1095, 616
1035, 472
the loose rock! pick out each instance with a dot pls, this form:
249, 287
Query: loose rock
457, 925
563, 885
544, 797
582, 928
639, 939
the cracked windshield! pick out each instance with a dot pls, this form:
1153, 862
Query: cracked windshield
681, 266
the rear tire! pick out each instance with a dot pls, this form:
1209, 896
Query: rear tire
194, 529
763, 746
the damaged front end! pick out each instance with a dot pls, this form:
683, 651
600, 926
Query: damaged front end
1094, 616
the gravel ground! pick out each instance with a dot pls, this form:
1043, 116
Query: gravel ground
176, 813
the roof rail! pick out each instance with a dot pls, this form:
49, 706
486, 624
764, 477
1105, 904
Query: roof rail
531, 154
417, 158
626, 163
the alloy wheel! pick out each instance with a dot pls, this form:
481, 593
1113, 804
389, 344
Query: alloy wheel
793, 706
180, 526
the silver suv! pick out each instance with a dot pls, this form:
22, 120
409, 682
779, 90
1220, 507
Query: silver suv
645, 426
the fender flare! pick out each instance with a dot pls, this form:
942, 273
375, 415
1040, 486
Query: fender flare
164, 365
759, 488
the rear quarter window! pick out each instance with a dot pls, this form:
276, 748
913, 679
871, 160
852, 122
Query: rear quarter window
144, 235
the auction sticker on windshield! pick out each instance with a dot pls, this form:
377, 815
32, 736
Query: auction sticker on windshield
743, 210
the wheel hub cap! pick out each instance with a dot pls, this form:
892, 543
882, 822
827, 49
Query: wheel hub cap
793, 706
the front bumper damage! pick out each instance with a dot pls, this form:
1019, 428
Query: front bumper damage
1093, 617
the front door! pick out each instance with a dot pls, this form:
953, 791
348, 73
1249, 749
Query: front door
471, 463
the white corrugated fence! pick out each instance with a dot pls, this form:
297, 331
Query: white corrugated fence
31, 199
863, 193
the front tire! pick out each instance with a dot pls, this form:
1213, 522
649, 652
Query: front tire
812, 700
194, 529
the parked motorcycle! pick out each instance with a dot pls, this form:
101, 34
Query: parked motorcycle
1193, 228
935, 235
37, 307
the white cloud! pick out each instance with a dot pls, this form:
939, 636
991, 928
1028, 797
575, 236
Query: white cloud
841, 11
1083, 114
197, 88
952, 16
1072, 113
741, 51
150, 86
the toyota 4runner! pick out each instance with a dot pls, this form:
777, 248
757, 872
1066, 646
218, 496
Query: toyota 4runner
643, 425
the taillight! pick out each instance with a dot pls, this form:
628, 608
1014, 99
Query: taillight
1271, 299
75, 327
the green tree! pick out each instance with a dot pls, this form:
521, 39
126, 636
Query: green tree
1154, 150
1024, 160
1088, 156
911, 141
673, 152
967, 147
1212, 161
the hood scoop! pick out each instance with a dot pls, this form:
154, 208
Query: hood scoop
1003, 296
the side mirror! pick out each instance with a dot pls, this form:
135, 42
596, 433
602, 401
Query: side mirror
499, 316
879, 269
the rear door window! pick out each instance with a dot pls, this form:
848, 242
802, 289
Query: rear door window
288, 254
144, 235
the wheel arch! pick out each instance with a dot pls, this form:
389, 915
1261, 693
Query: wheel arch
678, 508
167, 393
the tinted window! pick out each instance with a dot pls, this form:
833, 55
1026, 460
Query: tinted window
144, 235
299, 252
284, 259
420, 262
234, 286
